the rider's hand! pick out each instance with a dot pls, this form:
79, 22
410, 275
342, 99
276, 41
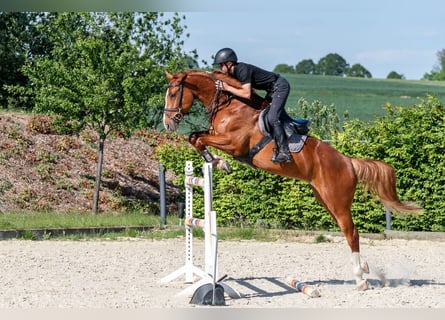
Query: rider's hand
219, 85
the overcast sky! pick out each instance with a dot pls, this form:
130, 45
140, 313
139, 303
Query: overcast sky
382, 35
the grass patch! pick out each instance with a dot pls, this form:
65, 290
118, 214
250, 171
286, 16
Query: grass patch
38, 225
236, 233
321, 238
361, 98
46, 220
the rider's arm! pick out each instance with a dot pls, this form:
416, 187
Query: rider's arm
243, 92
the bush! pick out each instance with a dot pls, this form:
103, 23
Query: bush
248, 196
412, 140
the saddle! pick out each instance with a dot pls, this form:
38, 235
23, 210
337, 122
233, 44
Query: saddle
291, 126
295, 129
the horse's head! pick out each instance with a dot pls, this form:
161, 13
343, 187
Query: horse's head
184, 88
178, 100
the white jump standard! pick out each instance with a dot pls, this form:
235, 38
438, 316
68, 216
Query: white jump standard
208, 224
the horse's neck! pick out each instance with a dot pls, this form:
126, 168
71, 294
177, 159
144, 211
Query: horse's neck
255, 101
206, 97
206, 92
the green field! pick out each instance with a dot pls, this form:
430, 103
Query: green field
362, 98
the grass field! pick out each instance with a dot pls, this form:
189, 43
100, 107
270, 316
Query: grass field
362, 98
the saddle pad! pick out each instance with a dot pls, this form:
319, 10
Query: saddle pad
296, 142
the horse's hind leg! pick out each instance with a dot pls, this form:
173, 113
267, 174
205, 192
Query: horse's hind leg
341, 212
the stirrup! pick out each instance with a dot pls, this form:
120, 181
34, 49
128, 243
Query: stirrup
281, 157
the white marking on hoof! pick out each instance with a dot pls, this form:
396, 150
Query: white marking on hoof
362, 285
223, 165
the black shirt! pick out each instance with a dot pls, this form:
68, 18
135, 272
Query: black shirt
258, 78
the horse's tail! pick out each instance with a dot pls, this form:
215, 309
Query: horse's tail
380, 178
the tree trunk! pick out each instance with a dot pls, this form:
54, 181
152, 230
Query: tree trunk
98, 175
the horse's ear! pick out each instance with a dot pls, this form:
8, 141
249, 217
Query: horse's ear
168, 75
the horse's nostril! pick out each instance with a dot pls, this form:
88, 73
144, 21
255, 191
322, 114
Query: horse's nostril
171, 127
178, 117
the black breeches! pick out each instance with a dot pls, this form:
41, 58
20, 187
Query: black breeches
279, 95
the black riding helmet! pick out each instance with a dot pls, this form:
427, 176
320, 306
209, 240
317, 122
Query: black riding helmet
224, 55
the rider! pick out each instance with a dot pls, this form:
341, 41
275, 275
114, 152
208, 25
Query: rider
253, 77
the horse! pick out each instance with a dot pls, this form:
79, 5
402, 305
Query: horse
234, 129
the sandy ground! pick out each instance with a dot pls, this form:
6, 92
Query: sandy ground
126, 273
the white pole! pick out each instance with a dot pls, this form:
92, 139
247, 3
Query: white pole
209, 259
188, 230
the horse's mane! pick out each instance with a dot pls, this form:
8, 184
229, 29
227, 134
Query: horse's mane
256, 101
218, 75
227, 78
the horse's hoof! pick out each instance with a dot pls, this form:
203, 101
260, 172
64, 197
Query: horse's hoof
221, 164
224, 165
362, 285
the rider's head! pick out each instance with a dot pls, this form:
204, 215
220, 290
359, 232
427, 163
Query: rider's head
225, 57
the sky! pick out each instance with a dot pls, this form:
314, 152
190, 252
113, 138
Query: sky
383, 36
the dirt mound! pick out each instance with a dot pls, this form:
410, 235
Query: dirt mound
40, 170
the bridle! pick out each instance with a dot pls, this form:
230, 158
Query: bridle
179, 115
211, 108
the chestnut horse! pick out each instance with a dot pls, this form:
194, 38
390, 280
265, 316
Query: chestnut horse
234, 130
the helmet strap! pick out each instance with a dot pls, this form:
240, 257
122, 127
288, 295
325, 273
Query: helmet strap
229, 65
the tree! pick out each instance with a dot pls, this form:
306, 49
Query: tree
438, 72
306, 66
395, 75
283, 68
20, 41
332, 65
106, 71
357, 70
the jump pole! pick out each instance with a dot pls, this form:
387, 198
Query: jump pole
303, 287
208, 224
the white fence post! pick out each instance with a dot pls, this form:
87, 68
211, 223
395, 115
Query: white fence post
208, 224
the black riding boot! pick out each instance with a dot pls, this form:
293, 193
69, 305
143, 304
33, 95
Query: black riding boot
281, 151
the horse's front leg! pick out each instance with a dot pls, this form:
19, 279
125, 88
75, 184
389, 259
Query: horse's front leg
359, 268
216, 161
